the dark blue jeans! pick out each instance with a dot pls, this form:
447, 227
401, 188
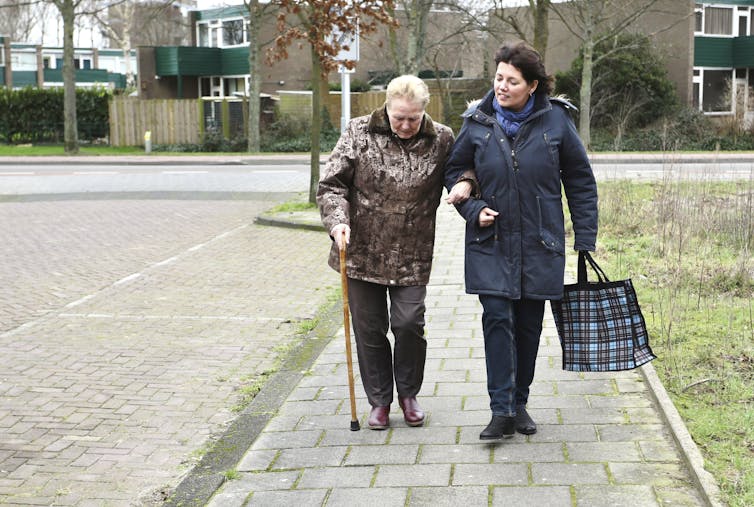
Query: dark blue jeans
511, 339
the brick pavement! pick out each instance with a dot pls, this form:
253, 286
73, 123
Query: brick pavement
601, 439
128, 328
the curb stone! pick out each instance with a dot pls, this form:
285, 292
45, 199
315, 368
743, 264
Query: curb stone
689, 450
204, 479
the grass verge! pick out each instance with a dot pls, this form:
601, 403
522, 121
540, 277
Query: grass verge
687, 247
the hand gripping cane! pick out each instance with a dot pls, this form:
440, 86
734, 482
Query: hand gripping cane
347, 327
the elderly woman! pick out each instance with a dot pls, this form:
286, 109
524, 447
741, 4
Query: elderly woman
523, 145
379, 194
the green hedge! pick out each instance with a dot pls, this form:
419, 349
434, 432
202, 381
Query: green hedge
35, 115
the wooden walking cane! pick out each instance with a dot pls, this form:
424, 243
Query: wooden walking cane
347, 327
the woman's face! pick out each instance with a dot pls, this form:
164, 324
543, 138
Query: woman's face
511, 89
405, 117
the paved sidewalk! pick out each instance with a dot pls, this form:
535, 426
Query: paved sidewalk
601, 440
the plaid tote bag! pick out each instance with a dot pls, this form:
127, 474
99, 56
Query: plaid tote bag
600, 324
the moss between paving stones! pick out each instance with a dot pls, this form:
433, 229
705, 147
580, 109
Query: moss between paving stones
209, 474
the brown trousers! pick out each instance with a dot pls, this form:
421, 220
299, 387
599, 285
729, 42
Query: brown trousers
378, 364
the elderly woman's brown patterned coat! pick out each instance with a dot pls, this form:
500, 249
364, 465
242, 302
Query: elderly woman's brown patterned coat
387, 190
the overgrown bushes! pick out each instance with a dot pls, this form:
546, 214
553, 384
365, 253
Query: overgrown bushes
35, 115
686, 129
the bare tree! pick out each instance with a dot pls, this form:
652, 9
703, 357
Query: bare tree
131, 23
116, 23
259, 14
314, 21
413, 16
70, 11
19, 18
529, 24
591, 22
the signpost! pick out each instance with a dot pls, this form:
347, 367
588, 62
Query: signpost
351, 41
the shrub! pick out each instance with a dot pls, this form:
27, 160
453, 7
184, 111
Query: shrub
291, 134
630, 87
35, 115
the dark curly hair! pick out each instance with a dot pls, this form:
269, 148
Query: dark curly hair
528, 61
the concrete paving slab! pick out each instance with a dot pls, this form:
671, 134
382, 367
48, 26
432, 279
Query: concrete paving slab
600, 438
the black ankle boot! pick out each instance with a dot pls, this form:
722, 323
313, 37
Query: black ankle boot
499, 427
524, 423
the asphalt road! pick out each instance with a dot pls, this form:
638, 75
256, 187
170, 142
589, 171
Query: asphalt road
292, 175
24, 179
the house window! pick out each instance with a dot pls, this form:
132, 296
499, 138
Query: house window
697, 81
743, 22
46, 62
698, 19
718, 21
203, 35
82, 63
234, 86
233, 32
207, 34
716, 91
23, 61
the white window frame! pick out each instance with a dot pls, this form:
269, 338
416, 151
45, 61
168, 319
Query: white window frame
698, 9
742, 13
214, 33
245, 90
23, 64
696, 79
700, 80
734, 22
244, 33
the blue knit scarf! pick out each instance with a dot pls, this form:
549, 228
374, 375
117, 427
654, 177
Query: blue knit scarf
509, 120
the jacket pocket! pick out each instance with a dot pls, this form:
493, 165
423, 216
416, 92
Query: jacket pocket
552, 147
551, 226
477, 236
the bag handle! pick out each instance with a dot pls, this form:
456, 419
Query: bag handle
584, 257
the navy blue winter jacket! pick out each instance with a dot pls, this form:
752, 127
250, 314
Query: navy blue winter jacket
523, 254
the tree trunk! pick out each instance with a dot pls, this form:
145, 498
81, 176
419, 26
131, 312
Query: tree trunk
316, 133
417, 32
255, 76
585, 94
541, 11
398, 60
129, 11
70, 127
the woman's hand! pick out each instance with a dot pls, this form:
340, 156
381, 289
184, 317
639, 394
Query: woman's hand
341, 233
460, 192
487, 217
